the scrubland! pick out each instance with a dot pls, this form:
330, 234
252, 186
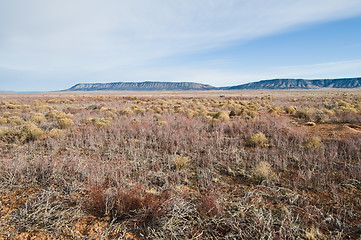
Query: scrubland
225, 165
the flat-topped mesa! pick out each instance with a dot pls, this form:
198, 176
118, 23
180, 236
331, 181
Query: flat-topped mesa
301, 84
275, 84
141, 86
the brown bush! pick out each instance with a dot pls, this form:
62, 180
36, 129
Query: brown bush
257, 140
208, 205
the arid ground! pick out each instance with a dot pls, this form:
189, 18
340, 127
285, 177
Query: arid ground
181, 165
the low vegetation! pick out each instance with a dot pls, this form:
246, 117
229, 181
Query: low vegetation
185, 167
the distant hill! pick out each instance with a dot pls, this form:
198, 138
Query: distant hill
6, 91
184, 86
300, 84
141, 86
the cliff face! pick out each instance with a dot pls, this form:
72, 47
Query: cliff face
301, 84
141, 86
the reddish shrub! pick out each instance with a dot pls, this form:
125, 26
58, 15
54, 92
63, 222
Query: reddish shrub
208, 205
98, 199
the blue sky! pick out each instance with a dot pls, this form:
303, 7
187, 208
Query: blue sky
52, 45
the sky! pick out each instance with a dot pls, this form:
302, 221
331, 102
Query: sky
53, 45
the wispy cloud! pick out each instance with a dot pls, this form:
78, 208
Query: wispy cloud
331, 69
80, 36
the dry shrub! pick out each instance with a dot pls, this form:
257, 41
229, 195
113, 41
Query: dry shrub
212, 114
100, 122
3, 131
263, 171
128, 200
149, 110
190, 113
157, 109
347, 109
222, 116
93, 107
163, 123
42, 107
257, 140
24, 133
252, 113
126, 111
16, 106
55, 114
31, 132
290, 110
275, 110
236, 112
123, 202
157, 116
56, 133
181, 162
38, 118
140, 111
307, 113
15, 120
98, 199
65, 123
313, 234
312, 143
3, 120
209, 205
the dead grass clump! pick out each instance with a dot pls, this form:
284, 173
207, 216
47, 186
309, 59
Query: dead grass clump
190, 113
3, 131
3, 120
263, 171
162, 123
31, 132
24, 133
313, 234
41, 107
290, 110
181, 162
275, 110
222, 116
56, 133
65, 123
312, 143
126, 111
347, 109
15, 120
257, 140
252, 114
38, 118
157, 116
158, 109
16, 106
100, 122
56, 115
307, 113
140, 111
